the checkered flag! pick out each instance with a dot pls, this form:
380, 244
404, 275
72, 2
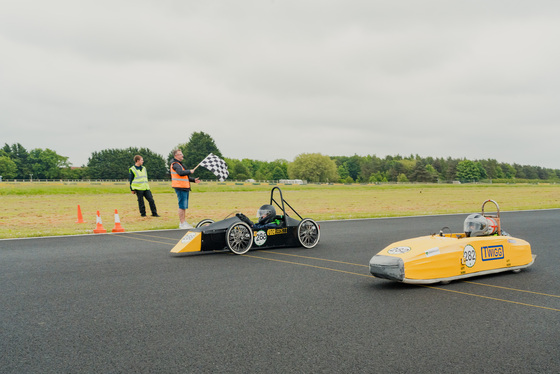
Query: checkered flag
216, 165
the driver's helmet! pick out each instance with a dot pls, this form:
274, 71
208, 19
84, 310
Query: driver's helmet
475, 225
266, 214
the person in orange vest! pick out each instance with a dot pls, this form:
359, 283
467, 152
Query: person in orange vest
181, 181
138, 179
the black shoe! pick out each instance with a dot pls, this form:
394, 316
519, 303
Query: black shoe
142, 215
155, 215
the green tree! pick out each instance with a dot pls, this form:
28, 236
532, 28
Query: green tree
481, 171
420, 173
395, 168
377, 177
313, 167
519, 173
195, 150
544, 173
434, 175
530, 172
451, 171
8, 168
440, 165
468, 171
353, 167
18, 154
251, 165
114, 163
109, 164
46, 164
74, 173
343, 172
241, 171
369, 165
279, 172
402, 178
231, 163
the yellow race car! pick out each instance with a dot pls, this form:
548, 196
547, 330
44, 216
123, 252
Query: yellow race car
483, 248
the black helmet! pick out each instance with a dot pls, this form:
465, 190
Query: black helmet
266, 214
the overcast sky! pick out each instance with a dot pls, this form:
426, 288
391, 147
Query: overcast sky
270, 79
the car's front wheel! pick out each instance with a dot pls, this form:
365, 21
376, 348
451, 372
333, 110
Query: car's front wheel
239, 238
308, 233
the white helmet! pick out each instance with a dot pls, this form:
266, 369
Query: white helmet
475, 225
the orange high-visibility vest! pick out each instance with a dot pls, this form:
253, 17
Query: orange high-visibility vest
179, 181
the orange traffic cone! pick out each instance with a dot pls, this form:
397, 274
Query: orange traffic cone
80, 218
99, 228
118, 227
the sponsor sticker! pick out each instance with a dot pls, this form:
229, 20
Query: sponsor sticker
188, 237
270, 232
492, 252
260, 237
469, 254
398, 250
432, 252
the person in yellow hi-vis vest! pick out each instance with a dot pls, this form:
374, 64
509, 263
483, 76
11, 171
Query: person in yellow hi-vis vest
138, 178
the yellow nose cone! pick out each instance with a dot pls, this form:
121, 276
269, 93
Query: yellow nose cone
191, 242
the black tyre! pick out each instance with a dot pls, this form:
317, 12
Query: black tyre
309, 233
239, 238
204, 222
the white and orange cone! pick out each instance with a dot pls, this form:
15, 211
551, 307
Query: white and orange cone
99, 225
118, 227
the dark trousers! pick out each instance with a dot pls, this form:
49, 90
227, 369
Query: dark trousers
140, 194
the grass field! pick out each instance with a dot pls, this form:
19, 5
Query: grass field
31, 209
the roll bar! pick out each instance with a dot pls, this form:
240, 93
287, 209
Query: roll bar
282, 201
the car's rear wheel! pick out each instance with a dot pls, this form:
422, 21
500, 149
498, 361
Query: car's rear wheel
204, 222
239, 238
308, 233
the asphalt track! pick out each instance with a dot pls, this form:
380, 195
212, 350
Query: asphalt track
119, 303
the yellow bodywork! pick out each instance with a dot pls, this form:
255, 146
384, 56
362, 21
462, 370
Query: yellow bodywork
190, 242
454, 256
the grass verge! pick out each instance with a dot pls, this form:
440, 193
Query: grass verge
32, 209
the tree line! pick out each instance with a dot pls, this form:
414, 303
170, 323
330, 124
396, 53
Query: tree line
19, 164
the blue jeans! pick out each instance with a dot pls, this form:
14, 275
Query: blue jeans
183, 197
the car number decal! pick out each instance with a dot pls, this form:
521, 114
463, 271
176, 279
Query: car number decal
260, 237
469, 254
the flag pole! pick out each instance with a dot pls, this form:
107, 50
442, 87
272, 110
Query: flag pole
200, 163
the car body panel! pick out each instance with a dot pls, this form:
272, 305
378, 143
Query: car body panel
437, 258
484, 248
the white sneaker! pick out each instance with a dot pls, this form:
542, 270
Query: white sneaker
185, 225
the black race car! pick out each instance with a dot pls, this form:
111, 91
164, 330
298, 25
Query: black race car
239, 234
